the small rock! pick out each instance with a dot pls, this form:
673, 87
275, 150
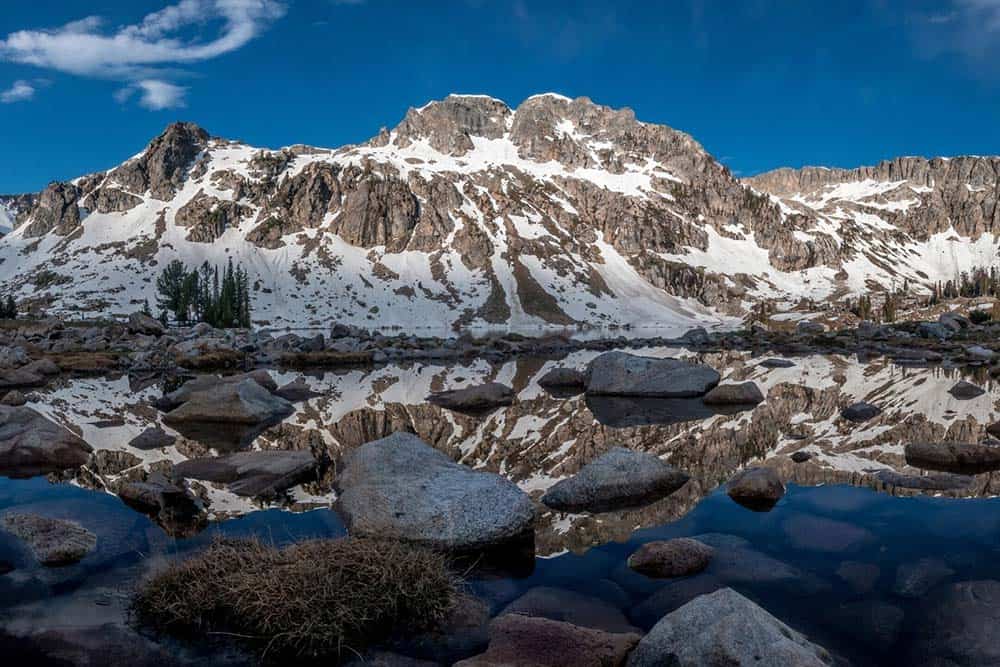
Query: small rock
678, 557
481, 397
153, 437
756, 488
141, 323
979, 352
563, 377
777, 363
52, 541
744, 393
296, 391
860, 412
801, 456
623, 374
809, 328
966, 390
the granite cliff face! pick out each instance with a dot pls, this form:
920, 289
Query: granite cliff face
470, 212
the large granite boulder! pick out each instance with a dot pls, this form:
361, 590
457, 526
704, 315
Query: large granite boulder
31, 444
401, 488
542, 642
965, 391
260, 473
243, 402
52, 541
725, 628
623, 374
479, 397
618, 479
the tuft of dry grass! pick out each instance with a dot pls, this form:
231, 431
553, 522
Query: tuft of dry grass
311, 599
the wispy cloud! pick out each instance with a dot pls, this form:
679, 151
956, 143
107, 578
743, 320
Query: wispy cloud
968, 28
20, 91
146, 53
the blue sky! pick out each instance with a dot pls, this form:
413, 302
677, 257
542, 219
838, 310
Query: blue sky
85, 84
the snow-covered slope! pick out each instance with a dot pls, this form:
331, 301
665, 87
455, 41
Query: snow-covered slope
469, 212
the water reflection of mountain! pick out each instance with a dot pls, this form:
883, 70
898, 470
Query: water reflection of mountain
542, 438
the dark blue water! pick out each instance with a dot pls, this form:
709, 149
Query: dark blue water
798, 560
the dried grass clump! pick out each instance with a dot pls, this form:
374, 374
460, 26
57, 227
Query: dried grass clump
316, 598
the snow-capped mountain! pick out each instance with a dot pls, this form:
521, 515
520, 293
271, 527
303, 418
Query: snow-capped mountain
470, 213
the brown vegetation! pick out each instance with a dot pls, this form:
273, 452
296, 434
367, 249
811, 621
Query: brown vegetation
311, 599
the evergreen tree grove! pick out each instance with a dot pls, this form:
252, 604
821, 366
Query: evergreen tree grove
202, 295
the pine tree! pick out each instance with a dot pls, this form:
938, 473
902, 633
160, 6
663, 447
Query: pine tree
170, 286
145, 308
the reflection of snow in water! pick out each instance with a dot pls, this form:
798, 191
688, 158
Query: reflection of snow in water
541, 439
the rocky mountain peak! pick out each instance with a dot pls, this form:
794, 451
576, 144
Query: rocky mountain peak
161, 168
448, 124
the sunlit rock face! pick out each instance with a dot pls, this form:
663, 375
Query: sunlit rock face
541, 439
471, 212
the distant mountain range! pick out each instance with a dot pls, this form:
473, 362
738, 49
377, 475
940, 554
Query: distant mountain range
472, 213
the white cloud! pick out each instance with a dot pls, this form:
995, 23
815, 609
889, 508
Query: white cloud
970, 28
20, 91
158, 95
148, 51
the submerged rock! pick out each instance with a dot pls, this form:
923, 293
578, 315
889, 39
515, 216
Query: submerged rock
725, 628
559, 604
756, 488
860, 412
623, 374
541, 642
31, 445
52, 541
263, 473
617, 479
480, 397
678, 557
914, 580
744, 393
957, 626
401, 488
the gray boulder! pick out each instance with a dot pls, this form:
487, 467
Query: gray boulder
744, 393
809, 328
958, 457
141, 323
859, 412
401, 488
617, 479
52, 541
679, 557
13, 356
19, 378
260, 473
14, 398
777, 363
725, 629
30, 444
480, 397
563, 377
623, 374
756, 488
243, 402
934, 330
153, 437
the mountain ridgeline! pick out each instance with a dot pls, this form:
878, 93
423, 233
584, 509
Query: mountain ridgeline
469, 213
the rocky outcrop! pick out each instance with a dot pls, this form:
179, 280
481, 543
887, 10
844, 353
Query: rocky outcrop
161, 169
207, 217
400, 488
56, 210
